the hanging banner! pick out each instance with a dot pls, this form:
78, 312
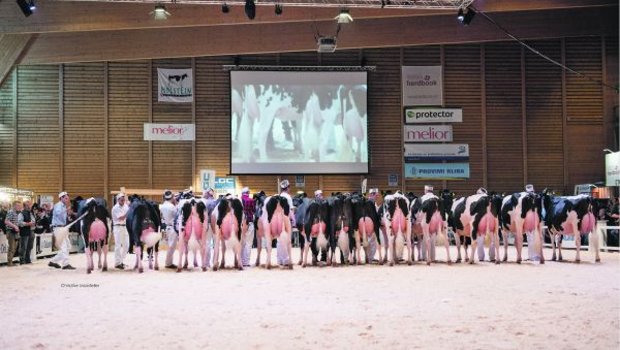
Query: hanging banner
225, 185
446, 171
300, 181
392, 180
612, 169
175, 85
207, 179
433, 115
169, 132
422, 86
436, 152
428, 133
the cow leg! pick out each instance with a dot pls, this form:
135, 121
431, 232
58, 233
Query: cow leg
594, 243
98, 244
138, 251
495, 242
558, 238
259, 247
427, 246
409, 247
457, 238
577, 243
105, 258
358, 245
505, 235
541, 241
223, 248
519, 244
552, 236
182, 250
216, 250
205, 252
156, 254
237, 250
474, 246
268, 241
447, 244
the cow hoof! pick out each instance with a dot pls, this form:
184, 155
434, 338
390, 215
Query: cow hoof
215, 268
409, 263
303, 265
104, 269
471, 262
156, 267
496, 262
289, 266
240, 268
179, 269
359, 263
88, 271
542, 262
560, 259
381, 262
458, 260
449, 262
99, 265
140, 270
257, 264
334, 264
518, 261
466, 260
268, 267
428, 263
204, 269
505, 259
598, 260
391, 263
577, 261
553, 259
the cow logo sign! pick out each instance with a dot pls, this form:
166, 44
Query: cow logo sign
175, 85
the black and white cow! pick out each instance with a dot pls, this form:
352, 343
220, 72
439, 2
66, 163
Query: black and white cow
230, 230
571, 215
94, 228
315, 218
143, 223
192, 226
274, 222
430, 221
340, 228
476, 216
522, 213
367, 224
397, 223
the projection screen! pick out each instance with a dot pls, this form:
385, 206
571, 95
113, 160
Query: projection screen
285, 122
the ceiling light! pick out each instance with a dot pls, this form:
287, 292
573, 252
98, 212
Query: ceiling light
344, 17
225, 8
465, 15
32, 5
250, 9
25, 7
160, 12
278, 9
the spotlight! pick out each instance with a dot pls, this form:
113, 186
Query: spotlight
465, 15
160, 12
250, 9
25, 6
344, 17
32, 5
278, 9
225, 8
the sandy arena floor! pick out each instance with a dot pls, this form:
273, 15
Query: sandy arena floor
484, 306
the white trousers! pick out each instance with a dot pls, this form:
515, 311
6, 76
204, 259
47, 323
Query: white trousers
121, 244
246, 246
62, 257
171, 238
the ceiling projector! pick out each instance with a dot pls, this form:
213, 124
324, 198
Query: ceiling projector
326, 44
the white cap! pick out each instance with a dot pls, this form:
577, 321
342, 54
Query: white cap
245, 190
481, 190
529, 188
373, 190
284, 184
62, 194
168, 195
428, 188
120, 195
317, 192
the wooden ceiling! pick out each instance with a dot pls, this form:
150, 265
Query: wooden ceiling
73, 31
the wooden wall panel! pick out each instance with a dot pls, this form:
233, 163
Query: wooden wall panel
38, 132
83, 129
611, 95
384, 117
462, 88
38, 90
212, 114
584, 97
421, 56
7, 129
504, 129
545, 152
172, 161
128, 105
